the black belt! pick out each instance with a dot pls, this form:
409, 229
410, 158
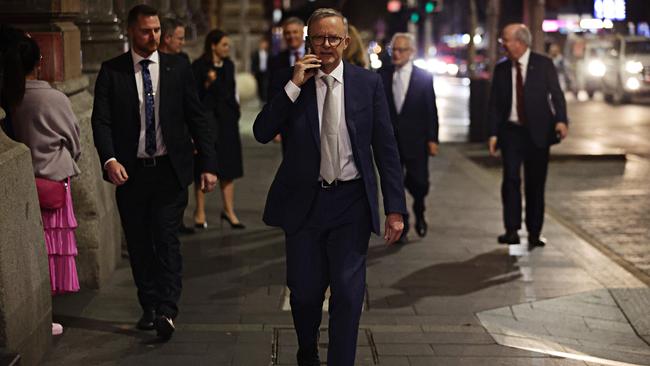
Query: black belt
323, 184
153, 161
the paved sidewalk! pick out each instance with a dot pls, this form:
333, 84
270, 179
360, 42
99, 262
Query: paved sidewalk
422, 299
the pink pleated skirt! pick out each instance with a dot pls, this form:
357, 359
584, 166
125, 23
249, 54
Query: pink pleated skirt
59, 226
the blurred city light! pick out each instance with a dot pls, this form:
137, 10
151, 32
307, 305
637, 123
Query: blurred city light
633, 67
550, 25
465, 39
597, 68
394, 6
591, 24
452, 69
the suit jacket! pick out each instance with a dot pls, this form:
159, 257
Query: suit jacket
296, 182
417, 123
116, 116
543, 99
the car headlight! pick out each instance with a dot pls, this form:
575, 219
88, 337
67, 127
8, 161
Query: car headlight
633, 67
597, 68
633, 84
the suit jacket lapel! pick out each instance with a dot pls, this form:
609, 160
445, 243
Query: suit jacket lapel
388, 86
131, 87
163, 74
351, 95
410, 88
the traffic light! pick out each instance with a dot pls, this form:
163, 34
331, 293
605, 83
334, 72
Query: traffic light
430, 6
415, 17
433, 6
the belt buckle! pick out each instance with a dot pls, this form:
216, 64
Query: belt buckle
149, 162
325, 185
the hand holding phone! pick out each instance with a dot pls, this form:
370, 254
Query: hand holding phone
305, 68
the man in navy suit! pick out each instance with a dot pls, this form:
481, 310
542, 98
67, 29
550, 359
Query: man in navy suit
145, 115
412, 104
527, 114
324, 195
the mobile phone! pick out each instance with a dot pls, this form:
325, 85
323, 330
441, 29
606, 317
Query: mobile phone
307, 46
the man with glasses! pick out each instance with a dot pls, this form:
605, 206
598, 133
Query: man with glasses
324, 195
527, 114
413, 111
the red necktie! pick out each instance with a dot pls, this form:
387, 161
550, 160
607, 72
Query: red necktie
521, 115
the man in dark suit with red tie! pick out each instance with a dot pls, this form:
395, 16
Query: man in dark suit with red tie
413, 112
324, 195
527, 114
145, 114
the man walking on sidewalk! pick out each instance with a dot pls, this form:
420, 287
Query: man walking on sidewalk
324, 195
144, 110
527, 114
172, 40
412, 105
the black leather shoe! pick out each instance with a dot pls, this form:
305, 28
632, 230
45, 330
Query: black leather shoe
308, 357
510, 238
164, 327
146, 320
421, 227
535, 241
186, 230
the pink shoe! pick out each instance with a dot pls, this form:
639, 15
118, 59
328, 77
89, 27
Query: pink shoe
57, 329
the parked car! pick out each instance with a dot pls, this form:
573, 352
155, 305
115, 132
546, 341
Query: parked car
584, 65
627, 66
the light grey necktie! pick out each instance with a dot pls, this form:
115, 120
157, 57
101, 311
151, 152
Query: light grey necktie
398, 90
330, 168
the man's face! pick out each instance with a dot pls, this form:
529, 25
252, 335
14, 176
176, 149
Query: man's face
176, 40
402, 51
145, 35
514, 48
328, 41
294, 35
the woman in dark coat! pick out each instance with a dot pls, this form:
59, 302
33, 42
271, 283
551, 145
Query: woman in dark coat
214, 73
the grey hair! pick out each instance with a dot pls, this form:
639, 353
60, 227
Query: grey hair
293, 20
523, 35
322, 13
408, 36
168, 26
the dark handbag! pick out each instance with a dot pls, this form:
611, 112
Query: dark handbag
51, 193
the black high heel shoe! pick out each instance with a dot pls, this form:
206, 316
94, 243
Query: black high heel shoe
238, 225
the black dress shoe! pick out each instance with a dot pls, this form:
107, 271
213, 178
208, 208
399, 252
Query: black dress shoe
510, 238
535, 241
308, 357
421, 227
146, 320
185, 230
164, 327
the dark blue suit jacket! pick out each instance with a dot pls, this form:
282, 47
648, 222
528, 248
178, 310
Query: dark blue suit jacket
417, 122
296, 182
543, 99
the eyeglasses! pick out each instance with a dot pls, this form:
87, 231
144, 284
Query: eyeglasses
400, 49
320, 40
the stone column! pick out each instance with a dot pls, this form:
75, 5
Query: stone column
25, 300
50, 22
102, 37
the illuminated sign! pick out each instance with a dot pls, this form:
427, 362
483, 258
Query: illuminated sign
609, 9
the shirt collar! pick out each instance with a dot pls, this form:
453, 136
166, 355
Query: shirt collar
154, 57
407, 68
523, 60
337, 73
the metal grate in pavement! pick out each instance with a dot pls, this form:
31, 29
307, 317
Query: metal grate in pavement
283, 347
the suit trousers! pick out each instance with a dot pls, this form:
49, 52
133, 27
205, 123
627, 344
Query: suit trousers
151, 205
518, 148
416, 180
330, 250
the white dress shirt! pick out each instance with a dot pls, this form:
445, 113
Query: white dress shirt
264, 56
349, 169
523, 60
154, 71
401, 80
